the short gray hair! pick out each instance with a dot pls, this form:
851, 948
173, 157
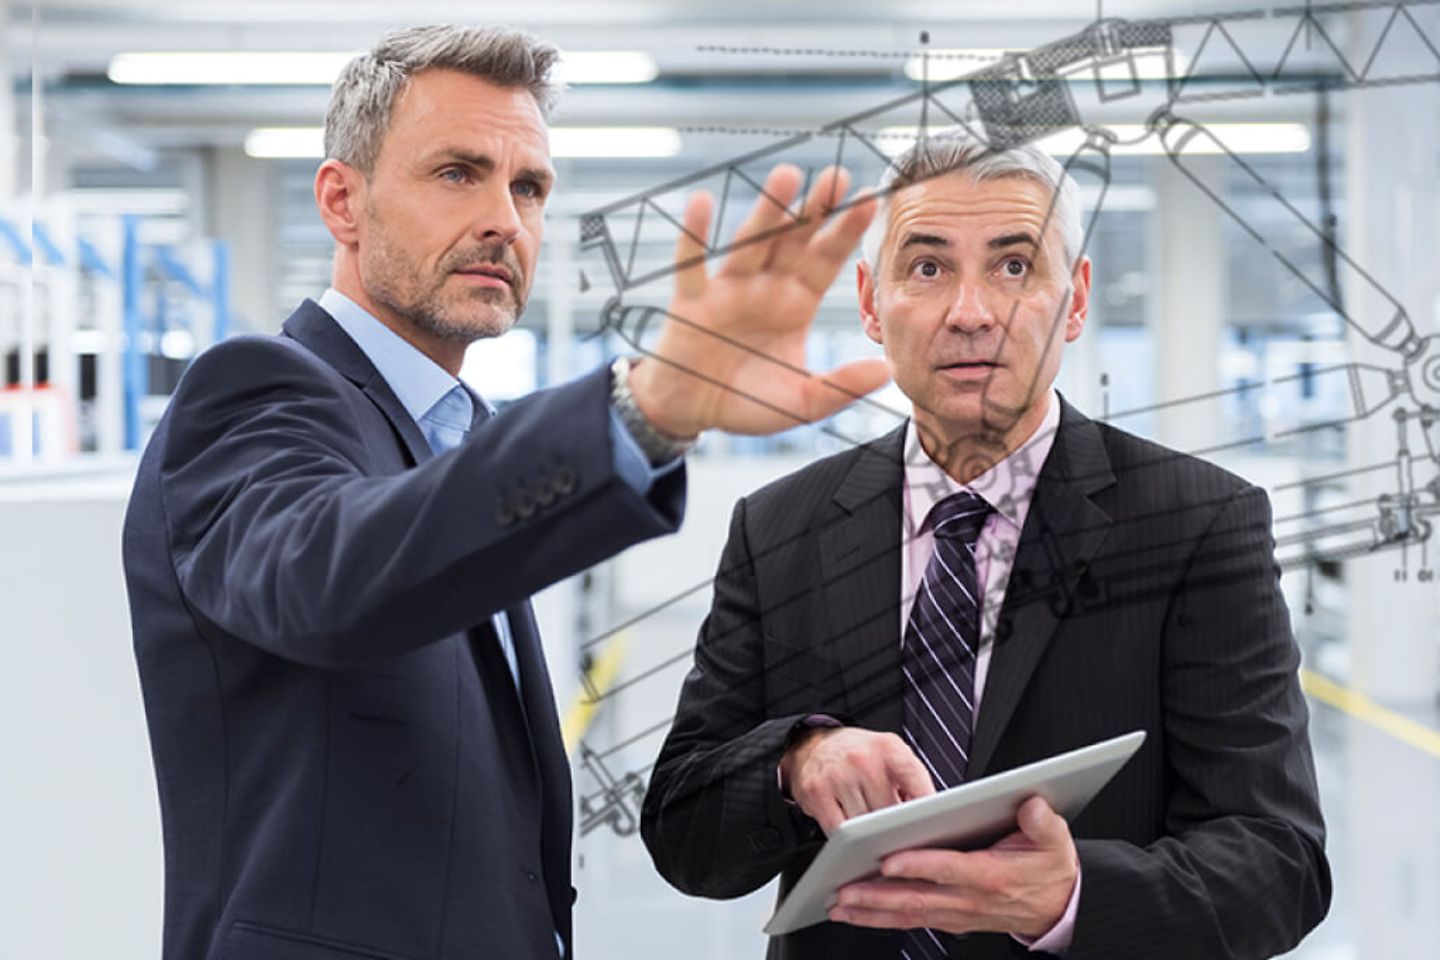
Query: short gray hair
364, 94
956, 148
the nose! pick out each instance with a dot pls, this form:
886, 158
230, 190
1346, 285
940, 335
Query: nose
496, 218
970, 310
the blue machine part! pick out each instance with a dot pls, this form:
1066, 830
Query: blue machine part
18, 244
134, 363
46, 246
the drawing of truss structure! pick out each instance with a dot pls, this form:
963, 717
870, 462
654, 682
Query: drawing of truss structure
1085, 83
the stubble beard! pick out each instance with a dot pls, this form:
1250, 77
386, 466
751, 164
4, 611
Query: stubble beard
395, 283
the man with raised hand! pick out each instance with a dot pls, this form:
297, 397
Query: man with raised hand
332, 539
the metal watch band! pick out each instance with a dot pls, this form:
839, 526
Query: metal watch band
658, 447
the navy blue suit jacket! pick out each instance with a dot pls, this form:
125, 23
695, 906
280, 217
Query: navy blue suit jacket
346, 768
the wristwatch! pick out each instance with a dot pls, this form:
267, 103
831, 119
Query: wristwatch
657, 446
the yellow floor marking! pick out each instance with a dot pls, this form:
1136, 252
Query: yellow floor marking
603, 670
1367, 711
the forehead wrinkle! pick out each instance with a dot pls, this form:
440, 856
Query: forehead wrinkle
950, 208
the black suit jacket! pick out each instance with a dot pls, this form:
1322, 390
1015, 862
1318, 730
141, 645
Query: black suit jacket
345, 765
1144, 596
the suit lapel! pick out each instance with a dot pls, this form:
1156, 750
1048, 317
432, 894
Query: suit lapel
860, 564
316, 329
1062, 531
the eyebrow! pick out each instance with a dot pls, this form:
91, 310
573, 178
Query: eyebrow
1012, 240
924, 240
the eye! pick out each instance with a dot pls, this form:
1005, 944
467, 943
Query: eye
926, 269
455, 175
1015, 267
529, 189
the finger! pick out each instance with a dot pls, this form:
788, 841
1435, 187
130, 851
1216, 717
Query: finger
851, 797
825, 394
1015, 841
1042, 825
874, 919
690, 247
898, 904
827, 192
829, 815
757, 236
909, 775
879, 791
949, 867
832, 245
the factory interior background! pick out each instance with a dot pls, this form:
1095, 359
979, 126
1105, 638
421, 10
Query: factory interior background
156, 170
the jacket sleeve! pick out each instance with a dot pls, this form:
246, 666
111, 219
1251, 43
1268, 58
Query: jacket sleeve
714, 820
285, 534
1241, 869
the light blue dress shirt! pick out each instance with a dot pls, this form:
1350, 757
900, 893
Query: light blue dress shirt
441, 407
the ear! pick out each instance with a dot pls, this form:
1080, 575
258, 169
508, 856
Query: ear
869, 317
1079, 299
339, 192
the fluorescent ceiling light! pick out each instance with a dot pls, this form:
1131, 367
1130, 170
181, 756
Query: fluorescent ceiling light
1240, 138
623, 142
228, 67
606, 66
276, 143
177, 344
614, 141
320, 68
952, 64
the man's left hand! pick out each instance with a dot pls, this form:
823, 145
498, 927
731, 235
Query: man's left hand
731, 352
1021, 885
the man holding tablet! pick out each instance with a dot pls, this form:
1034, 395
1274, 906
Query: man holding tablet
997, 581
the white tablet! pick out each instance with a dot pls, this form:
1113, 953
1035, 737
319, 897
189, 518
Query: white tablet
967, 817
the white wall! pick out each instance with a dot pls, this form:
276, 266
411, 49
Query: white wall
80, 875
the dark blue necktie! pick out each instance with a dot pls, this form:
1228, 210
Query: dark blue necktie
937, 655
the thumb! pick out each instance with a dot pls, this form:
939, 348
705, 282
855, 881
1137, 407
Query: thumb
1041, 825
824, 395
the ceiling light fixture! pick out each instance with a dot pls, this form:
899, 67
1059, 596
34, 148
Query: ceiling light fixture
316, 68
565, 142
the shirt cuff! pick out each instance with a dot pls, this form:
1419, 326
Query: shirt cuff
630, 461
1057, 938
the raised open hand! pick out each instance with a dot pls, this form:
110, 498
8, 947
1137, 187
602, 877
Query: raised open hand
731, 352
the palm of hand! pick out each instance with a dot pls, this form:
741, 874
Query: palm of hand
732, 349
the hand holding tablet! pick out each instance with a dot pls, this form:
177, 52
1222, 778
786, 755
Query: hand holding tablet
967, 817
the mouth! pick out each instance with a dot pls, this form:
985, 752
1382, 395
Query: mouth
964, 366
487, 275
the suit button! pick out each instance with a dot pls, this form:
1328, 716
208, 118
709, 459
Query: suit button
504, 513
525, 504
564, 480
542, 494
532, 876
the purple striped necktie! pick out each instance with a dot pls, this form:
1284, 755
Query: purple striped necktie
937, 656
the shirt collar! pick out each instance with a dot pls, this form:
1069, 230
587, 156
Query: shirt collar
1008, 486
419, 382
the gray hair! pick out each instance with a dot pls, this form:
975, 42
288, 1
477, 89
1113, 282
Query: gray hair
956, 148
364, 94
